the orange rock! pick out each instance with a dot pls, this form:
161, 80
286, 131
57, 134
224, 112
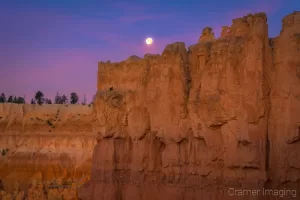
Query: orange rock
199, 122
223, 114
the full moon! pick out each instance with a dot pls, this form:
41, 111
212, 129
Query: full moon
149, 41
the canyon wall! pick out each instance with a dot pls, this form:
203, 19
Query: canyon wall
199, 123
203, 122
43, 144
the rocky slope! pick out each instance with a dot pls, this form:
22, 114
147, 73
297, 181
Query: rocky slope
204, 122
45, 143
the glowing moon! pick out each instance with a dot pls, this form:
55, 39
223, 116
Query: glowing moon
149, 41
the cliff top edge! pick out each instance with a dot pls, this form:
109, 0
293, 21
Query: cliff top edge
240, 27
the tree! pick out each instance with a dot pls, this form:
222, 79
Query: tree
20, 100
61, 99
57, 99
48, 101
10, 99
74, 98
84, 100
39, 97
15, 100
33, 101
64, 99
2, 98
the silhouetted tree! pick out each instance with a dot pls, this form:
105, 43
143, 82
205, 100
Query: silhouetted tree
2, 98
57, 99
84, 100
61, 99
74, 98
33, 101
15, 100
20, 100
10, 99
64, 99
48, 101
39, 97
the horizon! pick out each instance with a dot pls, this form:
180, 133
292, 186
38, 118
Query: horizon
45, 98
54, 46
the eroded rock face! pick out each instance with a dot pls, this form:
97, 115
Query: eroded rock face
221, 116
55, 190
284, 119
45, 143
207, 35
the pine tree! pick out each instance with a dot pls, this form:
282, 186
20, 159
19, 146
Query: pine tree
10, 99
84, 100
2, 98
64, 99
39, 97
57, 99
74, 98
48, 101
20, 100
33, 101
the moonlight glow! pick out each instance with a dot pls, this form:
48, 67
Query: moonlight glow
149, 41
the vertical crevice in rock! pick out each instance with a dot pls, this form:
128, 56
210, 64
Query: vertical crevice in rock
267, 185
271, 45
145, 78
119, 195
161, 147
267, 166
185, 65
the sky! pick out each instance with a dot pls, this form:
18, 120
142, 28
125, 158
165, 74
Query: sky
55, 45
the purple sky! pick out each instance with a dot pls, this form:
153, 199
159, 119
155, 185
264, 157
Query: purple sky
54, 46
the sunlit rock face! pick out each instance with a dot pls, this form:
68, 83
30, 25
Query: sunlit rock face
284, 118
216, 120
197, 122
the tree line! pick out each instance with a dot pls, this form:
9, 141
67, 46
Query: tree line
40, 99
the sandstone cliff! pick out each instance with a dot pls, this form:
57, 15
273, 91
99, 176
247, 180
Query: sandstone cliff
284, 118
188, 124
44, 143
195, 123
